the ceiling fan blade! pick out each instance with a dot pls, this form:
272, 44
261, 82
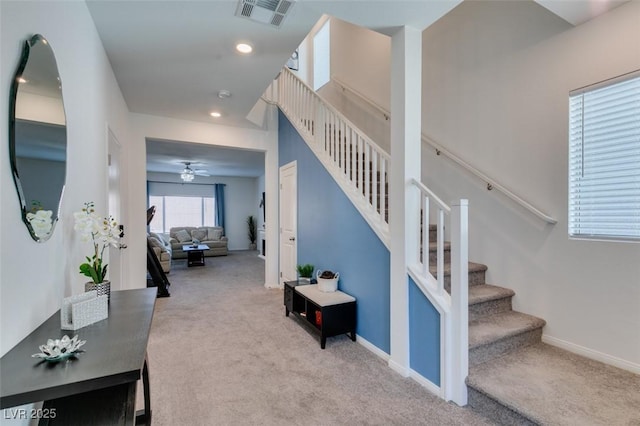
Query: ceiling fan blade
202, 173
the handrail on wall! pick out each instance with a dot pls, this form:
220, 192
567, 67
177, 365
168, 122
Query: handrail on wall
491, 183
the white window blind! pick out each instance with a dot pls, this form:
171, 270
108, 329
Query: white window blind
604, 160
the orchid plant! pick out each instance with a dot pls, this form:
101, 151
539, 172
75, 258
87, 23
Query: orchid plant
102, 232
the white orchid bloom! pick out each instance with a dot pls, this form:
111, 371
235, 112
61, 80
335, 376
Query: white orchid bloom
102, 231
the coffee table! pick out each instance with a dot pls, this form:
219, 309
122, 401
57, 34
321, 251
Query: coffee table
195, 254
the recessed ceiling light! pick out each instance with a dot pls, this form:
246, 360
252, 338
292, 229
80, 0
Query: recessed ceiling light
22, 80
244, 48
216, 114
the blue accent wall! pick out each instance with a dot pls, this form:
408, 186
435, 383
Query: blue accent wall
333, 235
424, 334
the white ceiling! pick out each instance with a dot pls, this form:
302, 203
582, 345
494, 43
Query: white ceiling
169, 157
172, 57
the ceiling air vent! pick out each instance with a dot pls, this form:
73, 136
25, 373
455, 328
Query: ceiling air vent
270, 12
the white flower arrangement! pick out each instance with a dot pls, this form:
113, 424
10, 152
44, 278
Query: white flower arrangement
58, 349
102, 232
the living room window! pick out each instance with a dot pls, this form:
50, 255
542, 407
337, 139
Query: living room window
604, 160
175, 211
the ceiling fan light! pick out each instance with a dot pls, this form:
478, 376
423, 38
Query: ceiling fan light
187, 174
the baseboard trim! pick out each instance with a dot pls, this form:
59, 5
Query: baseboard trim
422, 381
426, 383
591, 354
271, 285
372, 348
398, 368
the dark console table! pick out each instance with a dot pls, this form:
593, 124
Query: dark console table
98, 387
329, 314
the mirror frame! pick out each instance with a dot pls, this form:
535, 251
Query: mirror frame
15, 84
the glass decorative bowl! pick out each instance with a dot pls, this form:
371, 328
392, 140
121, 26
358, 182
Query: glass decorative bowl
59, 349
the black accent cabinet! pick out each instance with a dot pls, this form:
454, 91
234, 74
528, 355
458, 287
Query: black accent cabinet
328, 314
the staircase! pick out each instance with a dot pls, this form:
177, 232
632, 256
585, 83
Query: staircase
513, 378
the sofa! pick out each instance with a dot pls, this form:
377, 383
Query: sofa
212, 236
162, 249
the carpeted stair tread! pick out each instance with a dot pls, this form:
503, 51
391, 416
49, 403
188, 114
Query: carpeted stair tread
492, 328
473, 267
487, 292
551, 386
433, 246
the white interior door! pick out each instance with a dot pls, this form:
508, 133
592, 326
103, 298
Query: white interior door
288, 221
114, 272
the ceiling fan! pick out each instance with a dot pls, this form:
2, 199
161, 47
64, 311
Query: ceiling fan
188, 174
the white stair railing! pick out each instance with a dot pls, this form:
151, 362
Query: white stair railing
453, 307
356, 162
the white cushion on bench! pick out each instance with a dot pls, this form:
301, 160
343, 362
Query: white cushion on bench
321, 298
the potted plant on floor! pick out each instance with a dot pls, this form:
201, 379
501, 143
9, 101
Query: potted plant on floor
253, 232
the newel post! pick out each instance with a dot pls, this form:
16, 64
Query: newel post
459, 301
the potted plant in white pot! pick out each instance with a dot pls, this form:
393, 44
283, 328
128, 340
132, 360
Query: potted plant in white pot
102, 232
305, 272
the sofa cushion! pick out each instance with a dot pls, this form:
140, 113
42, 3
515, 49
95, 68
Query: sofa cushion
214, 234
199, 234
183, 236
155, 242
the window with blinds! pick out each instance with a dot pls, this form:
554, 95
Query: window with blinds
604, 160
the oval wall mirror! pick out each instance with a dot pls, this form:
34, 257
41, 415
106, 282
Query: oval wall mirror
38, 137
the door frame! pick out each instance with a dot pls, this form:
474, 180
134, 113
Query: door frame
114, 149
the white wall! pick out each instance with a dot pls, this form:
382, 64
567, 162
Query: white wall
495, 90
496, 78
360, 58
36, 276
241, 200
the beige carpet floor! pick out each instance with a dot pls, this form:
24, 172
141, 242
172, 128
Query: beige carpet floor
222, 352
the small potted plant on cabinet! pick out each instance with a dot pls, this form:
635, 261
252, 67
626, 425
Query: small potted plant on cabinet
305, 272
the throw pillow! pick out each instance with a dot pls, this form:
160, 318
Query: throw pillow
199, 234
183, 236
155, 242
154, 235
214, 234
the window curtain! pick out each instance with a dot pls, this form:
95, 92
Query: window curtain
218, 190
148, 205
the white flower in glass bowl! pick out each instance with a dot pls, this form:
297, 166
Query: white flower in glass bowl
59, 349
